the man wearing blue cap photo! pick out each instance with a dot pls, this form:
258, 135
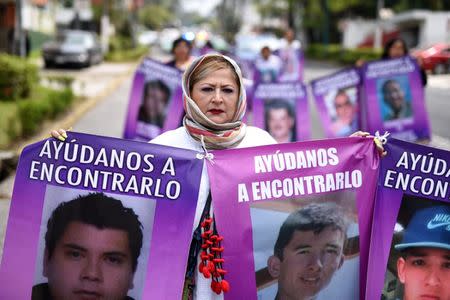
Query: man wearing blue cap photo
424, 264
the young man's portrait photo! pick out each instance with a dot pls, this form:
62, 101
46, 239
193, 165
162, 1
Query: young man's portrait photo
92, 246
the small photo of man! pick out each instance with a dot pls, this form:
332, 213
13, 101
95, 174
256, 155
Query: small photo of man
342, 109
92, 247
153, 109
280, 120
394, 98
424, 264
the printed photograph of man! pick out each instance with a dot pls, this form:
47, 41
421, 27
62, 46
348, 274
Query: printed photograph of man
308, 251
280, 120
394, 101
92, 246
344, 121
152, 112
423, 267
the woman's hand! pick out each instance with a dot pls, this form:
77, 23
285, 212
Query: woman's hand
377, 142
59, 134
360, 62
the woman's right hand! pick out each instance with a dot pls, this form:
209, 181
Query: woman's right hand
59, 134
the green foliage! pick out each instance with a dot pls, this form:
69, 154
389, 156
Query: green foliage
47, 105
17, 76
154, 16
127, 55
37, 39
25, 116
336, 53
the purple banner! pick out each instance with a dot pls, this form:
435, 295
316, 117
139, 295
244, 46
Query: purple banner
296, 218
393, 99
93, 217
282, 110
156, 103
336, 97
410, 247
293, 62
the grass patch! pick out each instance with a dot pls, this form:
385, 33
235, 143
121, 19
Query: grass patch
25, 117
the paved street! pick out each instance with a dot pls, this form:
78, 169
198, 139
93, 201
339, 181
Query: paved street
107, 117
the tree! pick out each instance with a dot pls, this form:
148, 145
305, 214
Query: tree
154, 16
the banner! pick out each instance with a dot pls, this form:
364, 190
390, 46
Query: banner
93, 217
392, 99
156, 103
295, 218
336, 97
410, 247
282, 110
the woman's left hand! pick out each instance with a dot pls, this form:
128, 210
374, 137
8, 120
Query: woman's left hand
377, 142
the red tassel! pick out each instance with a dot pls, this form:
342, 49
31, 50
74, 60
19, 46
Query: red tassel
221, 271
206, 273
201, 266
216, 287
225, 286
211, 266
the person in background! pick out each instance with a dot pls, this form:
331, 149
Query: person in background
290, 57
396, 48
268, 65
181, 51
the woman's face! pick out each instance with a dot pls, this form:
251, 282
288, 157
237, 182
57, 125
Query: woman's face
181, 52
217, 95
397, 50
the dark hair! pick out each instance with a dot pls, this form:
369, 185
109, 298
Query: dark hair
314, 217
279, 104
154, 84
98, 210
178, 41
391, 43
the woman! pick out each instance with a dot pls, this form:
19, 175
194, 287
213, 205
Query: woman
396, 48
215, 102
181, 51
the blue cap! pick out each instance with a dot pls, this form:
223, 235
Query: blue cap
429, 227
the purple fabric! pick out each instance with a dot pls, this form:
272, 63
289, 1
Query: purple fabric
168, 239
400, 159
412, 124
151, 70
233, 217
325, 90
294, 93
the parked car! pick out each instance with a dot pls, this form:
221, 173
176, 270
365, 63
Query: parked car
436, 58
73, 47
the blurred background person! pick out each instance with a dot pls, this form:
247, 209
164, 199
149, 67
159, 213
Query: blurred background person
181, 51
268, 65
289, 55
396, 48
